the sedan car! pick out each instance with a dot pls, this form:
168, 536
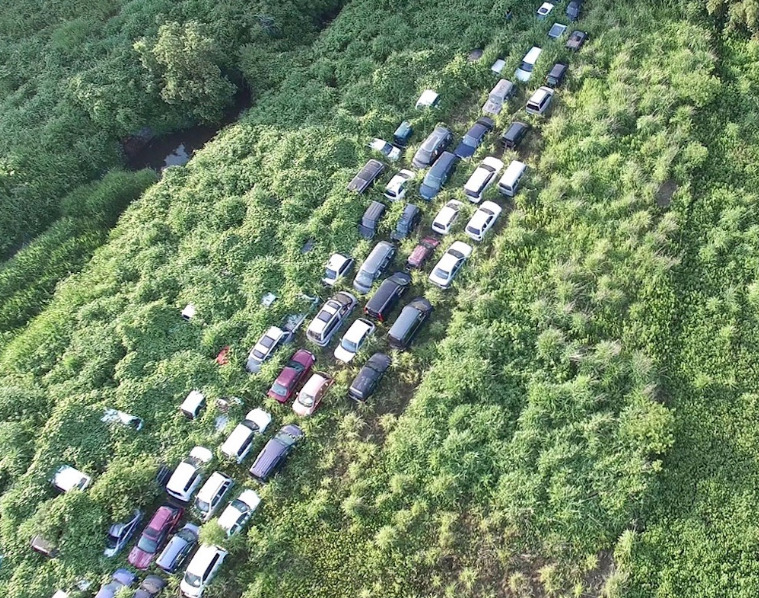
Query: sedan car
119, 534
161, 525
337, 267
187, 476
354, 339
122, 578
446, 217
178, 548
292, 375
151, 586
421, 253
398, 186
273, 456
577, 40
264, 348
369, 376
483, 220
473, 137
239, 511
446, 269
388, 150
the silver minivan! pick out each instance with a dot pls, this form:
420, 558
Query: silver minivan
497, 97
509, 183
373, 267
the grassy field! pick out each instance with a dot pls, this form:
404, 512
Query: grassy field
576, 420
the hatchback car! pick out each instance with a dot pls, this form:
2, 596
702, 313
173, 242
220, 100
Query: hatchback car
337, 267
484, 176
409, 322
330, 317
387, 295
473, 137
396, 189
438, 175
153, 536
201, 570
421, 253
577, 40
513, 136
119, 534
408, 221
240, 441
311, 395
388, 150
151, 586
435, 144
186, 477
446, 217
483, 220
540, 101
353, 340
451, 262
365, 383
273, 456
292, 375
264, 349
212, 494
121, 578
178, 549
239, 511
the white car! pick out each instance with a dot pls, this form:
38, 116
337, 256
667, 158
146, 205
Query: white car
337, 267
114, 416
544, 10
388, 150
211, 494
445, 270
446, 217
524, 72
483, 220
484, 176
398, 185
239, 511
201, 570
186, 477
539, 101
240, 441
68, 478
264, 348
354, 339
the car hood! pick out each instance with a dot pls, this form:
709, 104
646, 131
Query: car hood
343, 355
139, 558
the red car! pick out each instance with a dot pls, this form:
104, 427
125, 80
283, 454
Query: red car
422, 253
292, 375
154, 535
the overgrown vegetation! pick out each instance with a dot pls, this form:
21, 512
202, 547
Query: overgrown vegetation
577, 419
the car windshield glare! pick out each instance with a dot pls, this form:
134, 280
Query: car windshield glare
306, 401
364, 278
349, 346
278, 389
202, 506
192, 580
147, 544
258, 354
240, 506
440, 273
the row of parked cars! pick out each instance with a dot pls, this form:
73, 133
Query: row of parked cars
167, 540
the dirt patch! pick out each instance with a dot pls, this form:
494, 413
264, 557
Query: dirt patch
665, 193
474, 55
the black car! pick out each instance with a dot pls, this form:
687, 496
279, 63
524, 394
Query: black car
273, 456
369, 376
557, 74
512, 137
409, 322
387, 296
435, 144
408, 221
438, 175
151, 586
474, 137
573, 9
366, 176
367, 228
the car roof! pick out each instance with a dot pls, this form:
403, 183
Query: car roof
513, 169
193, 400
532, 54
357, 331
236, 438
444, 162
374, 211
447, 262
161, 516
68, 477
336, 260
461, 247
478, 178
315, 382
212, 485
202, 558
381, 360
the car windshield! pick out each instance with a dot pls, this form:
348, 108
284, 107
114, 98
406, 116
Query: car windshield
278, 389
455, 253
111, 541
202, 505
526, 66
469, 140
147, 544
186, 535
192, 580
306, 400
267, 341
349, 346
258, 354
442, 274
330, 273
240, 506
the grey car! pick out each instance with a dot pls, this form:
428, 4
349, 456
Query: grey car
120, 533
178, 548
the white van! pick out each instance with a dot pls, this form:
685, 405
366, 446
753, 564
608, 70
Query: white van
509, 183
192, 405
201, 570
524, 72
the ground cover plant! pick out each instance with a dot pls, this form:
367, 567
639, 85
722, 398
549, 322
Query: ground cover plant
552, 432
